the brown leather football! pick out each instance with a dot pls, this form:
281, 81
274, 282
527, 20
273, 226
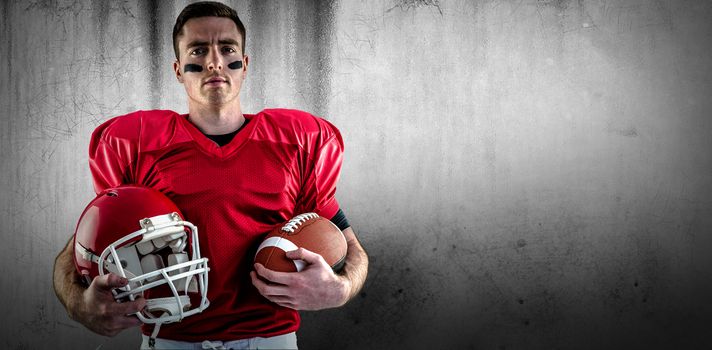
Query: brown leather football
308, 231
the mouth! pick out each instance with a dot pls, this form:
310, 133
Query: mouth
214, 81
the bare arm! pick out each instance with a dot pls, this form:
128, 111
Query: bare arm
317, 286
93, 306
67, 283
356, 267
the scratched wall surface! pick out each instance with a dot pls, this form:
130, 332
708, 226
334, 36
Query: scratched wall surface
524, 174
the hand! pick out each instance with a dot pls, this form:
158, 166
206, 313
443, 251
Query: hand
98, 311
315, 287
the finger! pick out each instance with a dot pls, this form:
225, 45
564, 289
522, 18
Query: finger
275, 291
287, 304
118, 324
303, 254
267, 289
109, 281
282, 301
273, 276
130, 307
256, 281
121, 316
128, 322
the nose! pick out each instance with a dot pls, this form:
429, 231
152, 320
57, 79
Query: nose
214, 60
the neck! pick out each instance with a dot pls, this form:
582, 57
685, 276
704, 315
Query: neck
216, 120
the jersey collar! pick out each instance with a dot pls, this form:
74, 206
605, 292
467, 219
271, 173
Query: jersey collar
210, 147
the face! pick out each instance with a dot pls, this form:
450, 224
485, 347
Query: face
209, 49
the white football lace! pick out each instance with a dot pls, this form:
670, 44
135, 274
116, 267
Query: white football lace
292, 225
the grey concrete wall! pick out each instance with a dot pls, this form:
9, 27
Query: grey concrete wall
524, 174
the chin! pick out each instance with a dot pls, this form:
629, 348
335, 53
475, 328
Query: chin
216, 98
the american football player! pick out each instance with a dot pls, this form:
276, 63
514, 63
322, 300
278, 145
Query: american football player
234, 176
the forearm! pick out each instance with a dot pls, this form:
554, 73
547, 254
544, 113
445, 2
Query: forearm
94, 305
67, 282
356, 268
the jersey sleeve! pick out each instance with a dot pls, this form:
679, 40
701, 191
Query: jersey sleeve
109, 157
322, 173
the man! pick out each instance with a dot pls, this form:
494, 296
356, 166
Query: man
235, 176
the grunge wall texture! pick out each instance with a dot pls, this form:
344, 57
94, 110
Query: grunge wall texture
524, 174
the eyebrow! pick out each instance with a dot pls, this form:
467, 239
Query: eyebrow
205, 43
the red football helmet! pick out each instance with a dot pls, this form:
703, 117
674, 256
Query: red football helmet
138, 233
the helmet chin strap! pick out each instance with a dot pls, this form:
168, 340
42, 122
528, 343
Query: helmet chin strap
154, 334
165, 306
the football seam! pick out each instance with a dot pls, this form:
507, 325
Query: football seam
298, 264
269, 257
296, 222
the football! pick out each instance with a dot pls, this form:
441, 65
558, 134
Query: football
308, 231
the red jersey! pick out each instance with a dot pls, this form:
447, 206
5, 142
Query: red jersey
282, 163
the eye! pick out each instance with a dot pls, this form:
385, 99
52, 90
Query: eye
198, 51
228, 50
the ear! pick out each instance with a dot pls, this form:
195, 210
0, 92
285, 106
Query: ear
176, 68
245, 61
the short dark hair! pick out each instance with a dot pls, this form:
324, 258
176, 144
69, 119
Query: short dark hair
206, 9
